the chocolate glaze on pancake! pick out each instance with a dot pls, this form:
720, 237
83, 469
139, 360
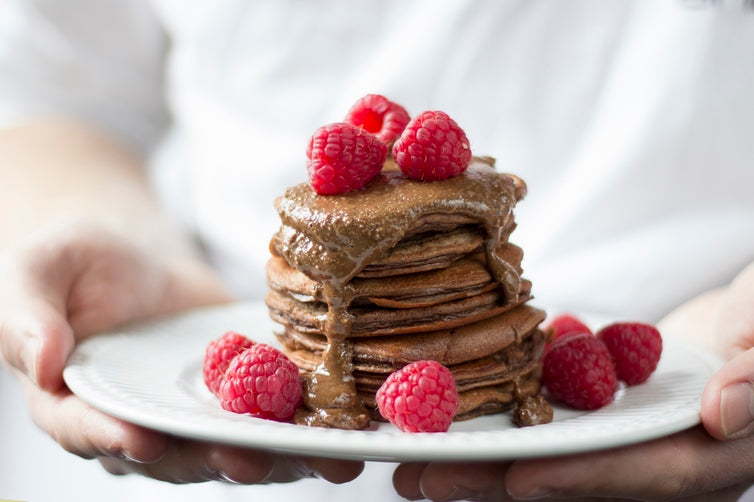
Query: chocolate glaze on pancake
332, 238
465, 277
337, 241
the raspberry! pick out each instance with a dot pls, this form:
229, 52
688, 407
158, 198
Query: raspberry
420, 397
635, 347
432, 147
566, 325
343, 158
578, 370
262, 382
218, 355
380, 116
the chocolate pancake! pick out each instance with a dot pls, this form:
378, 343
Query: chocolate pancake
364, 321
486, 357
332, 239
466, 277
448, 347
477, 402
366, 282
428, 247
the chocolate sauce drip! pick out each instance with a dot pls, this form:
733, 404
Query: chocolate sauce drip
332, 238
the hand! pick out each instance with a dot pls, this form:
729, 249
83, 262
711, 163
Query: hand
71, 282
714, 457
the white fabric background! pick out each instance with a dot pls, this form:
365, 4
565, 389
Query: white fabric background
630, 121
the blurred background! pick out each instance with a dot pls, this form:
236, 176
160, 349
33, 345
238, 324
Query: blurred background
604, 114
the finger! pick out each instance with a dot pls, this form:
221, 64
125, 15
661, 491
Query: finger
35, 336
407, 480
728, 399
87, 432
193, 462
188, 461
684, 464
290, 468
333, 470
37, 340
124, 448
453, 481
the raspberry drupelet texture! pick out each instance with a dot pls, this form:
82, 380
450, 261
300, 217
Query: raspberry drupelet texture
636, 349
432, 147
342, 158
380, 116
262, 382
566, 325
218, 355
578, 371
420, 397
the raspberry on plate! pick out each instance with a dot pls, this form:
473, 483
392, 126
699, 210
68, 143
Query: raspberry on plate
218, 355
566, 325
420, 397
636, 349
578, 371
262, 382
342, 158
432, 147
380, 116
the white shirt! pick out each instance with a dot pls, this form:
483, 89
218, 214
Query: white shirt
630, 121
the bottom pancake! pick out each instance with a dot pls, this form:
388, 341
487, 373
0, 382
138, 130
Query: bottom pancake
477, 402
503, 366
496, 363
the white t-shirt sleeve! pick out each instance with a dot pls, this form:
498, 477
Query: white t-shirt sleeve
68, 57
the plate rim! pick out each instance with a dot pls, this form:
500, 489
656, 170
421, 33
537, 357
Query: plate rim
336, 443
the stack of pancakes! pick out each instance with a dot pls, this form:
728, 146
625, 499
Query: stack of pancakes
367, 282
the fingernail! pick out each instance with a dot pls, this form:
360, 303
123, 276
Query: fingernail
458, 494
223, 476
736, 408
302, 469
453, 492
125, 455
537, 492
316, 475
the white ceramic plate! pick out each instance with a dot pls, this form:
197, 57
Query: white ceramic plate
150, 374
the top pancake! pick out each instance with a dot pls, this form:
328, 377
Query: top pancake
333, 239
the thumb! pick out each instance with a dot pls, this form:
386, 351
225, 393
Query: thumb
728, 399
37, 340
35, 335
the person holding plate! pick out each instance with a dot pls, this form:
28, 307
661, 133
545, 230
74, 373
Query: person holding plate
143, 143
